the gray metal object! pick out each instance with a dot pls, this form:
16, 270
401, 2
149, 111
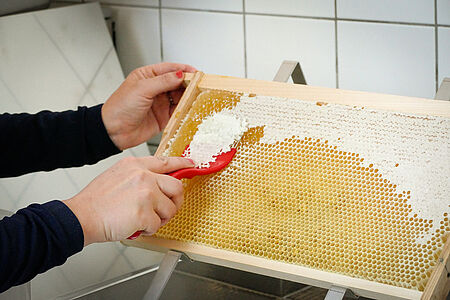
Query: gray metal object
163, 274
443, 93
21, 292
290, 68
9, 7
338, 293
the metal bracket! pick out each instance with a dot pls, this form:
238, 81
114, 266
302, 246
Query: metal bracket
443, 93
290, 68
338, 293
163, 274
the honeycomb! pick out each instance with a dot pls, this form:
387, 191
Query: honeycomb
335, 188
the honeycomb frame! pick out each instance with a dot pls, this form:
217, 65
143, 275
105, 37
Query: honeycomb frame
366, 288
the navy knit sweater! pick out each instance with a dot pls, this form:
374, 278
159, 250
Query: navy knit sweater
40, 237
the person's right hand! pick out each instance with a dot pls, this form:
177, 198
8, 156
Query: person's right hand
134, 194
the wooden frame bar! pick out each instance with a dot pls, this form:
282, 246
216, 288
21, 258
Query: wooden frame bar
439, 282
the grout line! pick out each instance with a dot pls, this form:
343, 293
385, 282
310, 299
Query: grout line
436, 47
245, 39
88, 86
336, 43
273, 15
59, 50
111, 4
224, 283
161, 47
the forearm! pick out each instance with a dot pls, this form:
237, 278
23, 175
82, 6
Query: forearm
49, 140
36, 239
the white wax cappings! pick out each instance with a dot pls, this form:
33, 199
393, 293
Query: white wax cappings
215, 135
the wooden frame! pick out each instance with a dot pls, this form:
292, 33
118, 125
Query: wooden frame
439, 283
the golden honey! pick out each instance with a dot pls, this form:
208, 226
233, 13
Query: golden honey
304, 201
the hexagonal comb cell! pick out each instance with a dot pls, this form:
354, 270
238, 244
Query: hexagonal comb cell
328, 187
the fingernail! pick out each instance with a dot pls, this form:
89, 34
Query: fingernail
179, 74
191, 161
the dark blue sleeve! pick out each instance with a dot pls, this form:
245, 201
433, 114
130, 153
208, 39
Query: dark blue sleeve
49, 140
36, 239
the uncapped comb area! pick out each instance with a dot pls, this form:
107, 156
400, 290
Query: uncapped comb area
341, 189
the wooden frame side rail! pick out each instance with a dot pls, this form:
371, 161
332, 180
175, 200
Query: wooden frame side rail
439, 283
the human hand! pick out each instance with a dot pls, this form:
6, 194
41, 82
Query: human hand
134, 194
140, 108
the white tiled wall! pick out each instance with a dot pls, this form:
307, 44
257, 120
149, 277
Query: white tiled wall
58, 59
444, 52
189, 37
386, 58
315, 49
372, 45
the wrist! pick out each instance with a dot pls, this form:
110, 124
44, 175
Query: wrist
112, 127
87, 218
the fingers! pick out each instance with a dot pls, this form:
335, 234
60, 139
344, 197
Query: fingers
164, 165
152, 87
172, 188
152, 223
167, 199
162, 68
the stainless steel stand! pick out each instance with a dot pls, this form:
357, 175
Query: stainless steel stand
338, 293
163, 274
443, 93
290, 68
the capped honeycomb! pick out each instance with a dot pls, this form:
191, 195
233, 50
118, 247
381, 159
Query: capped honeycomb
341, 189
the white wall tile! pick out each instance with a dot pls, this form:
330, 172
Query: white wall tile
443, 53
270, 40
7, 100
6, 202
28, 57
140, 150
89, 39
137, 36
82, 176
16, 186
443, 12
314, 8
108, 78
415, 11
393, 59
211, 42
60, 285
229, 5
47, 186
153, 3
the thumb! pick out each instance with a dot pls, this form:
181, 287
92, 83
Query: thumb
154, 86
164, 165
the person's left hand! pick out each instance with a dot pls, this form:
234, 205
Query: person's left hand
141, 107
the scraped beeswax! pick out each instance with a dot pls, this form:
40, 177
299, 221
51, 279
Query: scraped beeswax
329, 187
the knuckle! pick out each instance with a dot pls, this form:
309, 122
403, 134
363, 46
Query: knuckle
140, 176
154, 222
172, 211
163, 160
166, 79
178, 188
